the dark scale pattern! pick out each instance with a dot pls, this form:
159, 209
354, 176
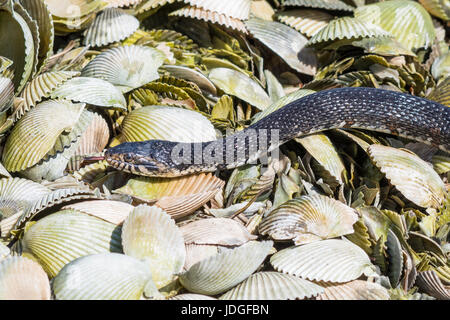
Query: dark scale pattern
366, 108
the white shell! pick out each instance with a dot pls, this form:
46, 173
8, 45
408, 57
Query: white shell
353, 290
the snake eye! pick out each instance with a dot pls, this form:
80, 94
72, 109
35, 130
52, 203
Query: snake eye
128, 157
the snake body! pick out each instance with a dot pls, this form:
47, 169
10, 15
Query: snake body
363, 108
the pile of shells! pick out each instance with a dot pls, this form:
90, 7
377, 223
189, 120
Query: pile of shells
343, 214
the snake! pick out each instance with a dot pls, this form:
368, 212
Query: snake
379, 110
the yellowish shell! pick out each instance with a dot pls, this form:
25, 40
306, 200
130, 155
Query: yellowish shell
23, 279
6, 97
223, 271
103, 276
109, 210
438, 8
327, 260
151, 235
67, 8
306, 21
122, 3
412, 176
353, 290
273, 286
308, 219
61, 237
323, 4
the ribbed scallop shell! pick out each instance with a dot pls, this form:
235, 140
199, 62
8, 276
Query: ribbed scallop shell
104, 276
41, 87
61, 237
438, 8
327, 260
126, 67
23, 279
92, 91
198, 252
4, 251
323, 4
273, 286
306, 21
178, 196
286, 43
109, 210
6, 94
219, 231
212, 16
36, 133
73, 8
429, 282
192, 75
150, 234
240, 85
353, 290
347, 28
412, 176
167, 123
122, 3
223, 271
391, 16
239, 9
110, 26
308, 219
192, 296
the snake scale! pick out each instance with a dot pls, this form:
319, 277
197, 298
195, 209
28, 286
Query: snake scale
379, 110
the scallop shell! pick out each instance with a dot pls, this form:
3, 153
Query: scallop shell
412, 176
240, 85
192, 75
112, 25
103, 276
151, 235
191, 296
384, 46
308, 219
66, 8
126, 67
306, 21
62, 237
23, 279
391, 16
35, 134
353, 290
438, 8
122, 3
4, 251
6, 97
430, 283
41, 87
218, 231
323, 4
273, 286
178, 196
92, 91
212, 16
223, 271
347, 28
196, 253
109, 210
286, 43
239, 9
327, 260
167, 123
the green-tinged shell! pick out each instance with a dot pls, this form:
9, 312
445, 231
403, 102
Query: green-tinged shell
192, 296
323, 4
286, 43
167, 123
353, 290
347, 28
412, 176
327, 260
282, 102
111, 25
126, 67
273, 286
429, 282
92, 91
192, 75
306, 21
218, 231
211, 16
17, 45
441, 164
441, 92
36, 133
239, 9
62, 237
109, 210
237, 84
103, 276
320, 147
41, 87
308, 219
438, 8
66, 8
385, 46
391, 16
6, 97
223, 271
441, 67
150, 234
23, 279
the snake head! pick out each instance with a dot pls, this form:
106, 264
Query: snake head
147, 158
